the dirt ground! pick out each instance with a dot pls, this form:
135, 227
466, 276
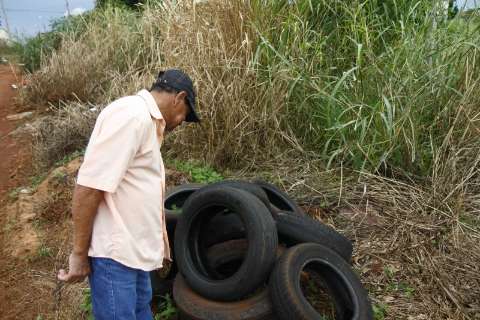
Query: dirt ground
32, 242
13, 159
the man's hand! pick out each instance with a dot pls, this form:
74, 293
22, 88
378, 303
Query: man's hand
84, 209
78, 269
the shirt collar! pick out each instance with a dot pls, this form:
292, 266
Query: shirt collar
151, 104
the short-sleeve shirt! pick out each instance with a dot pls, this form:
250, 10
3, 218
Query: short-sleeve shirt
123, 159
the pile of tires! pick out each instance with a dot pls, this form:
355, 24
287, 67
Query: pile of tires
245, 250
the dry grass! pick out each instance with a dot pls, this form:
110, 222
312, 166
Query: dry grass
417, 255
66, 130
211, 42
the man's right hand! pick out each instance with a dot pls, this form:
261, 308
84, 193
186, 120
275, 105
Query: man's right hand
78, 269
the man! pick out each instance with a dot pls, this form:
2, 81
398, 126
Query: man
119, 225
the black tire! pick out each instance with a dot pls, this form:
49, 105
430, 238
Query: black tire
247, 186
295, 229
278, 199
228, 226
193, 306
175, 198
288, 299
191, 253
223, 227
225, 258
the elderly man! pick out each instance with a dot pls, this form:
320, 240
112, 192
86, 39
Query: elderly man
119, 224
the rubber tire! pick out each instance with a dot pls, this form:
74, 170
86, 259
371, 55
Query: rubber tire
294, 229
278, 199
227, 227
230, 251
247, 186
287, 297
260, 232
177, 196
223, 227
193, 306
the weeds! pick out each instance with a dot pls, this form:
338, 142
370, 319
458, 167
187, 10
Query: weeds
70, 157
86, 305
10, 224
379, 311
44, 251
167, 309
14, 193
34, 50
35, 181
199, 173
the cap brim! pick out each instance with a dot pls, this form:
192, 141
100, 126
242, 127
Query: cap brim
192, 116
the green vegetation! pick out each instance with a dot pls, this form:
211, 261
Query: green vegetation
86, 305
40, 47
166, 308
44, 251
199, 173
13, 194
35, 181
8, 52
379, 311
370, 86
69, 157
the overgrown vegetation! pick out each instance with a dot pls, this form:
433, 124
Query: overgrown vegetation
370, 106
198, 172
372, 86
34, 50
166, 308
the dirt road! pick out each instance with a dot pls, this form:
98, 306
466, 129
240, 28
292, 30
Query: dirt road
12, 157
7, 144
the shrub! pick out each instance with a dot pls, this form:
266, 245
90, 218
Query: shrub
35, 49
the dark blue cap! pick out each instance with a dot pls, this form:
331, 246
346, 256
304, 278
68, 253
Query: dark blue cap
180, 81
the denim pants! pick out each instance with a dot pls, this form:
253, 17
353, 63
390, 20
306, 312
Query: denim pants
119, 292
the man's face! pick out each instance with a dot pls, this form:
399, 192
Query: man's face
179, 110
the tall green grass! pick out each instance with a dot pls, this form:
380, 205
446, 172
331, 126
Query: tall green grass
370, 85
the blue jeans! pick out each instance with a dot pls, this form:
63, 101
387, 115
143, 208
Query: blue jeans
119, 292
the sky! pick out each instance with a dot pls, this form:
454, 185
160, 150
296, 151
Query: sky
28, 17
